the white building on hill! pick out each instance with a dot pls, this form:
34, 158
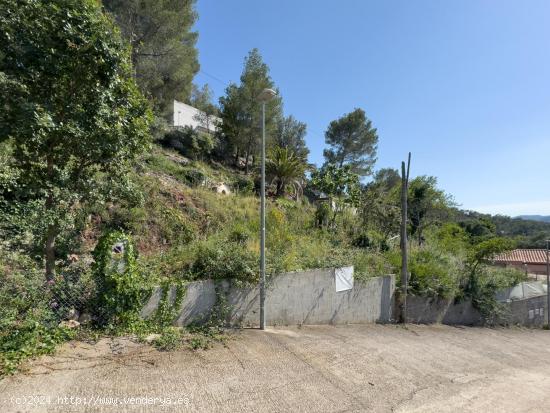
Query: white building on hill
186, 115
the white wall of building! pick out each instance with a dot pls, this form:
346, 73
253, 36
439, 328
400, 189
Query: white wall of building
186, 115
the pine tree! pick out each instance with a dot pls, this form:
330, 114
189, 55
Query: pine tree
353, 141
243, 113
162, 43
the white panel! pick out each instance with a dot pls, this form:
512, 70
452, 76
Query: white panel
343, 278
185, 115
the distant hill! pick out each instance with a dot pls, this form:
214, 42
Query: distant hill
542, 218
529, 231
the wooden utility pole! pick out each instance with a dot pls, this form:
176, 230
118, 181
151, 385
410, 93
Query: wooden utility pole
404, 243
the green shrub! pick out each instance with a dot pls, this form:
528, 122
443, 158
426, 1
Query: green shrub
174, 227
370, 264
28, 312
194, 177
432, 274
449, 237
243, 184
486, 283
168, 307
483, 280
288, 205
29, 339
322, 214
190, 142
22, 290
370, 239
170, 339
239, 234
218, 260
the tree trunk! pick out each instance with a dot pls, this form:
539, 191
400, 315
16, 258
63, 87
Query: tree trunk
249, 149
50, 253
49, 247
280, 189
246, 163
334, 213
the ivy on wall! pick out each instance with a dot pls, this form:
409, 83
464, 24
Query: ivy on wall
121, 287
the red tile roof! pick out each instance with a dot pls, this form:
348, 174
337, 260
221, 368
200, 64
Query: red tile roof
532, 256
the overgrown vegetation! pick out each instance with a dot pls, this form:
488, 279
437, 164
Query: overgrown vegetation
94, 213
28, 312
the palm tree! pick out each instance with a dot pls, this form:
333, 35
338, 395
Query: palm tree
284, 169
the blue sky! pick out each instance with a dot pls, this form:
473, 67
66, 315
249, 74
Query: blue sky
464, 85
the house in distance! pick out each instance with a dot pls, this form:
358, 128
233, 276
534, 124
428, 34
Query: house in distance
187, 115
532, 261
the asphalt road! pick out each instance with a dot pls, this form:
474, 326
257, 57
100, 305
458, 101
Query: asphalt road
310, 369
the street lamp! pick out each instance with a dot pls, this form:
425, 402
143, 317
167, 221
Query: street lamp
264, 97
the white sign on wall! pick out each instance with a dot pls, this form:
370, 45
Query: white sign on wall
343, 278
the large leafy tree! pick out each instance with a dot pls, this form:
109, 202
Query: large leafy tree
242, 111
386, 179
340, 185
163, 46
427, 204
290, 134
379, 202
353, 141
70, 107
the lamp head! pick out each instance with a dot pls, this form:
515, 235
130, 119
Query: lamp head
266, 95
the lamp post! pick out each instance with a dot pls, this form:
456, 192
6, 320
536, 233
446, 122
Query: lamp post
264, 97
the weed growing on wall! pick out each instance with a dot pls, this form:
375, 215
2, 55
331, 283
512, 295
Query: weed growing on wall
167, 310
211, 330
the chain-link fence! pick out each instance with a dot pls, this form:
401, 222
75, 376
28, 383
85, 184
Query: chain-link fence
72, 295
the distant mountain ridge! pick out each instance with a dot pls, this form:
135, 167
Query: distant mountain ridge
541, 218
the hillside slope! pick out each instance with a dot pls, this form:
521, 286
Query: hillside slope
183, 228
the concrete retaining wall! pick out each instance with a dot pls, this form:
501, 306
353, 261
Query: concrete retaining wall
424, 310
307, 297
310, 297
530, 312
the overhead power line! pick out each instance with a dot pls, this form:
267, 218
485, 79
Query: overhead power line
217, 79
